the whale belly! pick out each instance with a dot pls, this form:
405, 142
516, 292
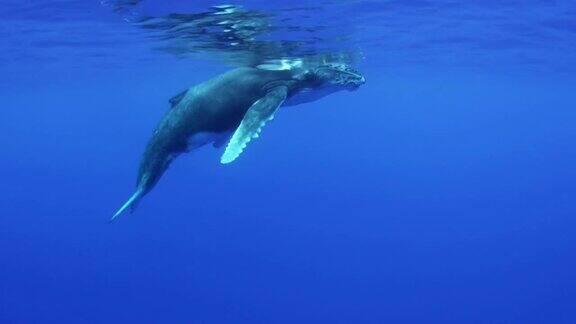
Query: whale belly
202, 138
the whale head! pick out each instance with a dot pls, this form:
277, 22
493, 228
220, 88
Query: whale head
339, 76
324, 80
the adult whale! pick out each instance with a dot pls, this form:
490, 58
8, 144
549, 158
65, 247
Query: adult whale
237, 103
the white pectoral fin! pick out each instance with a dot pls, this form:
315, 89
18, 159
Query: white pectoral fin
256, 117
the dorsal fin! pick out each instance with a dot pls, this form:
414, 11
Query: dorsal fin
177, 98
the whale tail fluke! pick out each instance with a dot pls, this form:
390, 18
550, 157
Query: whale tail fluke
131, 203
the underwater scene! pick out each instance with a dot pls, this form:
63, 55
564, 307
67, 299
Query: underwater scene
327, 161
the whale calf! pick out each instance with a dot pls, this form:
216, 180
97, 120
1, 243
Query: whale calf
232, 108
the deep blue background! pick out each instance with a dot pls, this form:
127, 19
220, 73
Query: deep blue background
431, 195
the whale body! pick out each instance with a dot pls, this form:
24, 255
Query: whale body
231, 108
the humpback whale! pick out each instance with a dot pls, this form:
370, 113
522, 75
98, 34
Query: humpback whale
232, 108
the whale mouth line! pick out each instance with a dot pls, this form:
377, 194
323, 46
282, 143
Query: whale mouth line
353, 86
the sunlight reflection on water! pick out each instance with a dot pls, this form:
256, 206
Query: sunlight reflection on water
489, 34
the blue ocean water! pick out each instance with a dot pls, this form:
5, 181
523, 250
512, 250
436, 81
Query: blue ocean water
442, 191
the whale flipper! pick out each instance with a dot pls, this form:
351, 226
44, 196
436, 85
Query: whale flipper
256, 117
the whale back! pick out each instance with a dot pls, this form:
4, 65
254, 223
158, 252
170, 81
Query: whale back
177, 98
219, 104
